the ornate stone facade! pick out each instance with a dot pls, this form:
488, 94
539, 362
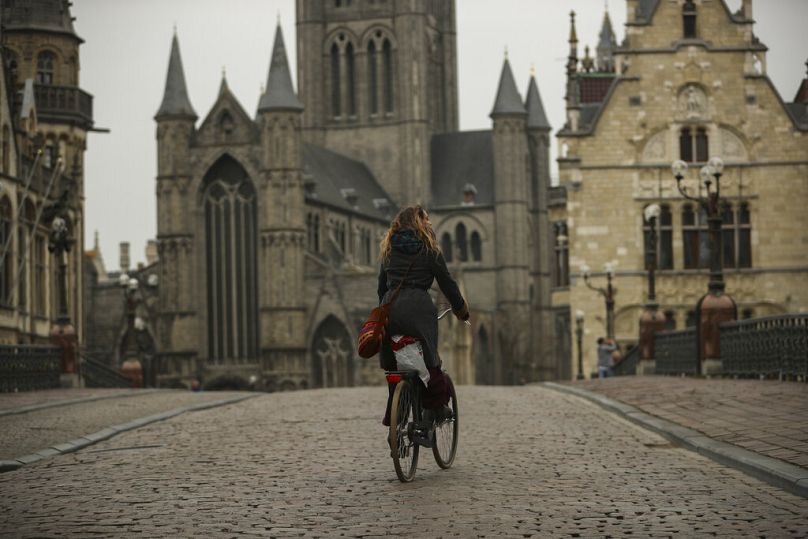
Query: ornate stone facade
680, 96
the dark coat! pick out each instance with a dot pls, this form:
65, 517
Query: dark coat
413, 313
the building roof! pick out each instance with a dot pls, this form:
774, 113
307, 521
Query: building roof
799, 113
607, 38
336, 179
536, 117
279, 93
459, 159
646, 8
175, 98
594, 87
43, 15
508, 100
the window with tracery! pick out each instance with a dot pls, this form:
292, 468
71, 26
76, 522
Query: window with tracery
695, 238
373, 78
351, 76
387, 71
336, 98
446, 247
736, 236
7, 264
689, 19
461, 242
664, 239
476, 247
45, 62
230, 241
694, 145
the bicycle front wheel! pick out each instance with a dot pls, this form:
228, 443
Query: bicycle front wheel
444, 445
403, 450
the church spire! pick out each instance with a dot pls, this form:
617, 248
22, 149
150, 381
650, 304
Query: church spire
279, 94
175, 98
536, 117
508, 99
607, 43
572, 60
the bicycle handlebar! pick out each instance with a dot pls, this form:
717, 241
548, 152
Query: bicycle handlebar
441, 315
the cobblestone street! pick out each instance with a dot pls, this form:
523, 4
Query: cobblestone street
532, 463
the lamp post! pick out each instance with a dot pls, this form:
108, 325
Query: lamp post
63, 333
608, 295
579, 336
135, 347
651, 320
715, 306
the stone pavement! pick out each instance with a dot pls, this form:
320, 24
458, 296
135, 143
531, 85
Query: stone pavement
29, 432
533, 462
764, 416
10, 401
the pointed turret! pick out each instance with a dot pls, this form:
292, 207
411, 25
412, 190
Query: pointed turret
508, 99
279, 94
175, 98
536, 117
607, 43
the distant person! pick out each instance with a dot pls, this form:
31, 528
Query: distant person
605, 361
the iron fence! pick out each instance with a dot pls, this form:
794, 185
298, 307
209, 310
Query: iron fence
628, 365
676, 352
29, 367
772, 346
96, 373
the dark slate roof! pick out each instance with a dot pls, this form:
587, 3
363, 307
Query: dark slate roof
593, 87
279, 94
458, 159
646, 8
44, 15
536, 118
589, 112
799, 112
336, 178
175, 98
508, 100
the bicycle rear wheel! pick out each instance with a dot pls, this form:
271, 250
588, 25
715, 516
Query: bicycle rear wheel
403, 450
444, 445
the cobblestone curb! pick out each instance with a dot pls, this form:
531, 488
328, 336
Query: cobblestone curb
773, 471
68, 402
109, 432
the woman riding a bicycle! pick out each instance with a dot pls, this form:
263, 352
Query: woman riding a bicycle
409, 253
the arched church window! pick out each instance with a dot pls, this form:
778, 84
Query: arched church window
446, 247
689, 19
387, 70
44, 67
332, 355
7, 266
476, 247
351, 82
336, 102
373, 78
462, 242
230, 242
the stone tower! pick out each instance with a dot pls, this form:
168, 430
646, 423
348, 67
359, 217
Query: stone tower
538, 136
378, 79
511, 187
41, 51
175, 131
283, 233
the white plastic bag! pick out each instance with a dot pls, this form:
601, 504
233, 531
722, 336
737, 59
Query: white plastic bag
410, 356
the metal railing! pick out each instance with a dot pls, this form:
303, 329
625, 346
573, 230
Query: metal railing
64, 102
97, 374
676, 352
628, 365
771, 346
29, 367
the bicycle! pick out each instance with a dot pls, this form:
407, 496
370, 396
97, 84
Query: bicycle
409, 430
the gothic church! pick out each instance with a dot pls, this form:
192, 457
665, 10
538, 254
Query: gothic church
268, 223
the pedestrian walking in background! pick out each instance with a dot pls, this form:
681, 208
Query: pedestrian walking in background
605, 361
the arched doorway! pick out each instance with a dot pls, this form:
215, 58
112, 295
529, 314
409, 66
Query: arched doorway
229, 200
484, 367
332, 355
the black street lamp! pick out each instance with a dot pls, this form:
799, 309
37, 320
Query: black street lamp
714, 307
608, 295
579, 335
652, 320
137, 345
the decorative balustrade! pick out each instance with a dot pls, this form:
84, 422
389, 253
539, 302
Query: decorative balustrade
64, 103
676, 352
772, 346
29, 367
628, 365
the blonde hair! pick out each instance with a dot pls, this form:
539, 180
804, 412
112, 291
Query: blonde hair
411, 218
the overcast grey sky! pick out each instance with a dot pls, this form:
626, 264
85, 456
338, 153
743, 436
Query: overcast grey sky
124, 60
